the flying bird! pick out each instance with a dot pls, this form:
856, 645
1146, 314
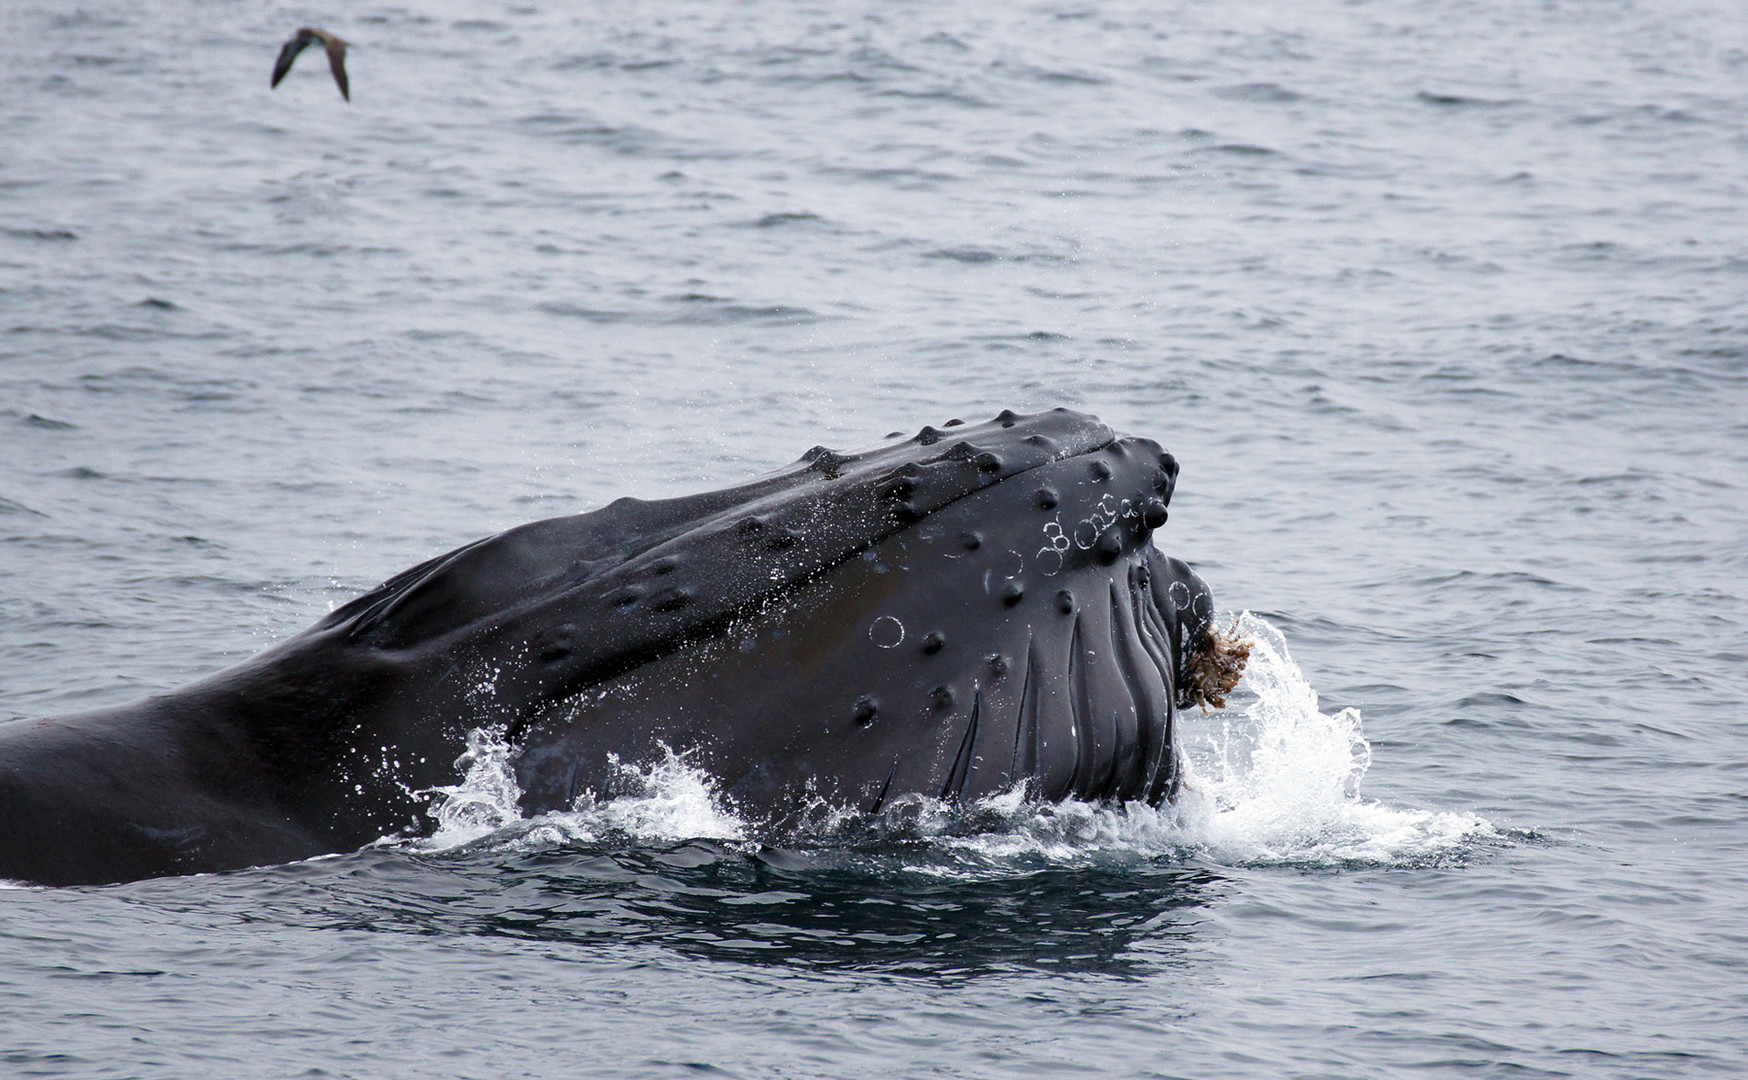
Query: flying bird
304, 38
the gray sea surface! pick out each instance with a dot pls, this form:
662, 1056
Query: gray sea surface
1442, 306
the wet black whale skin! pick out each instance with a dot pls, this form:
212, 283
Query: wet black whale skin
946, 615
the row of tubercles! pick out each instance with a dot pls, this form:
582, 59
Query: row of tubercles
1109, 548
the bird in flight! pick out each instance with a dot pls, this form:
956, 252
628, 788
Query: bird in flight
304, 38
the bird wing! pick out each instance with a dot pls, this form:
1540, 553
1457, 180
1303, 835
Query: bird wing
288, 53
337, 62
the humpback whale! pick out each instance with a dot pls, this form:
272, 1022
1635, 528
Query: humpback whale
953, 614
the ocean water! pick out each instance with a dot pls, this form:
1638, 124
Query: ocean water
1443, 308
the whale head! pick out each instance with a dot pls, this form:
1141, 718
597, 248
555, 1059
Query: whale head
952, 614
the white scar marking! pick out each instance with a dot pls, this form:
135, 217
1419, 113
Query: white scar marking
887, 632
1053, 554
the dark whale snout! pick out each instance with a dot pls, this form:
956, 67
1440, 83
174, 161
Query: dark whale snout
953, 614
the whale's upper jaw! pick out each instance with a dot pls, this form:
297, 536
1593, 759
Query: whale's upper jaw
587, 597
796, 521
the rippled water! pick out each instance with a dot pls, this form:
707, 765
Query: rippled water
1441, 306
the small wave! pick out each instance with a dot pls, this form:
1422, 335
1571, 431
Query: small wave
1456, 101
723, 313
977, 255
1263, 92
786, 217
485, 802
9, 506
1242, 150
1271, 780
38, 234
666, 801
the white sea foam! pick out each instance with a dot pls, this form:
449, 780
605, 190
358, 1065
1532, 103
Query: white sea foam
1279, 780
668, 800
1269, 780
663, 801
484, 802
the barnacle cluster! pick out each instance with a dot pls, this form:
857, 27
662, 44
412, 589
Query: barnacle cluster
1214, 667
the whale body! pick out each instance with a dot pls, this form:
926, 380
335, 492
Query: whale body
951, 615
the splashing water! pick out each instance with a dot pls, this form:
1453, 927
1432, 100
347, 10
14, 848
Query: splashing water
486, 799
669, 800
1281, 782
1277, 782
